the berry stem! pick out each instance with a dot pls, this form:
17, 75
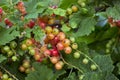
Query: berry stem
9, 73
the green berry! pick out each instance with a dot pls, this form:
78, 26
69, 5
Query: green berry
14, 58
85, 61
76, 55
5, 76
93, 67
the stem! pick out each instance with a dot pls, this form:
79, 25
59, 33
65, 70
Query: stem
70, 72
9, 73
71, 65
91, 60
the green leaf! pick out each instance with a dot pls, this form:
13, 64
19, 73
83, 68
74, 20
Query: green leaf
28, 32
2, 58
86, 26
42, 72
65, 28
67, 3
6, 35
59, 11
38, 33
72, 76
114, 12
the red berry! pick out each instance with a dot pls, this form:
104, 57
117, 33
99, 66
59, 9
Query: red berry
118, 23
31, 24
47, 53
42, 24
68, 50
60, 46
1, 11
54, 52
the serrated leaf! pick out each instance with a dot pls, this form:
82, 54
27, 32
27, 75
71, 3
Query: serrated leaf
86, 26
114, 12
38, 33
6, 35
2, 58
67, 3
40, 73
28, 32
59, 11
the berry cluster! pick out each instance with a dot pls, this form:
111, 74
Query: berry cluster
20, 6
10, 50
114, 23
26, 67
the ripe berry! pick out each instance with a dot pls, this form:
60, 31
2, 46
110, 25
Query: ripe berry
37, 56
55, 31
31, 24
50, 36
21, 69
42, 25
93, 67
66, 42
60, 46
85, 61
1, 11
59, 65
47, 52
68, 50
54, 60
61, 36
54, 52
118, 23
76, 55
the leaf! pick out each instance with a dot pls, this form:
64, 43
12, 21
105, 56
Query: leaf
67, 3
72, 76
59, 11
6, 35
2, 58
38, 33
42, 72
114, 12
86, 26
28, 32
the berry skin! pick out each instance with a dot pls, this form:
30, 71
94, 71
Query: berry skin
59, 65
6, 48
14, 58
75, 46
74, 8
61, 36
85, 61
26, 64
13, 44
32, 51
69, 11
72, 39
54, 52
54, 60
24, 47
5, 76
37, 56
66, 42
47, 52
68, 50
10, 53
1, 11
21, 69
76, 55
93, 67
10, 79
55, 31
48, 29
31, 24
50, 36
28, 42
60, 46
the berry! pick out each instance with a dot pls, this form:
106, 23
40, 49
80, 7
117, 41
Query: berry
59, 65
10, 79
50, 36
76, 55
84, 10
32, 51
61, 36
54, 52
13, 44
26, 64
55, 31
68, 50
72, 39
54, 60
47, 52
14, 58
28, 42
69, 11
1, 11
24, 47
37, 56
93, 67
60, 46
31, 24
74, 8
74, 45
10, 53
48, 29
21, 69
85, 61
5, 76
28, 70
66, 42
6, 48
